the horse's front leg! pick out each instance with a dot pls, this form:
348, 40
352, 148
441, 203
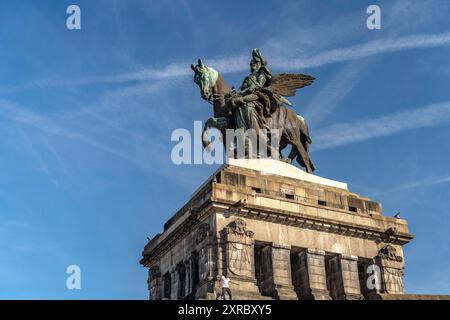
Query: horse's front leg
218, 123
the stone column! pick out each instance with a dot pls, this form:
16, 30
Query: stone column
205, 266
155, 283
310, 279
343, 278
281, 272
205, 275
174, 285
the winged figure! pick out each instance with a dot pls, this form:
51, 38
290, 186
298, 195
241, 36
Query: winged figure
260, 103
261, 93
286, 84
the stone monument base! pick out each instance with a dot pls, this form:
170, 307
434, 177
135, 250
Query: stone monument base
278, 233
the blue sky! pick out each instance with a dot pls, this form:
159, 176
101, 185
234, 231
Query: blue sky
86, 118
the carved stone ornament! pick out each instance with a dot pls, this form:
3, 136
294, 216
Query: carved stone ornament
239, 227
154, 272
202, 233
389, 252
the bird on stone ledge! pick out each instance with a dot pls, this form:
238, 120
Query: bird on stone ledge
397, 215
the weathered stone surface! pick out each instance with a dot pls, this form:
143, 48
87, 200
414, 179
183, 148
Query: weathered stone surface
280, 168
275, 272
343, 278
309, 275
277, 237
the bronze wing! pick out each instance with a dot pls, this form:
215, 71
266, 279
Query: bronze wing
285, 84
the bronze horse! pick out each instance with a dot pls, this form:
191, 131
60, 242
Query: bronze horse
294, 130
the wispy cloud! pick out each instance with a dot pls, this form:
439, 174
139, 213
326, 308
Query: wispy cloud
371, 48
239, 63
121, 123
19, 114
421, 183
362, 130
418, 182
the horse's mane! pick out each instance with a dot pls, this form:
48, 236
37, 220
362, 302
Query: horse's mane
212, 75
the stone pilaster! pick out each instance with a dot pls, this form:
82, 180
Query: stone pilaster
205, 270
282, 276
155, 283
343, 278
174, 284
239, 262
275, 272
310, 279
188, 279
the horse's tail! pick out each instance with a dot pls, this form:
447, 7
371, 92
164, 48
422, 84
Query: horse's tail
305, 140
304, 129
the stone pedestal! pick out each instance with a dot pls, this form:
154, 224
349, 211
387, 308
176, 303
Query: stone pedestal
309, 275
306, 234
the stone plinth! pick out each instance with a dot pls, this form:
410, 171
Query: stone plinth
279, 233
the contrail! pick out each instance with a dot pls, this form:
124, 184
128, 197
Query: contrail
368, 49
362, 130
239, 63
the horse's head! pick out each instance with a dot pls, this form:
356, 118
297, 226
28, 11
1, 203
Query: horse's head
206, 78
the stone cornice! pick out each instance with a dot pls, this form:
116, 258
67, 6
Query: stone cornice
194, 219
275, 216
303, 220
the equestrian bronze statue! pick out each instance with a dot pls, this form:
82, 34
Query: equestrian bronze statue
259, 104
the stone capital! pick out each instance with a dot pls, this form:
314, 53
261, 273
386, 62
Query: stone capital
348, 257
315, 251
281, 246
